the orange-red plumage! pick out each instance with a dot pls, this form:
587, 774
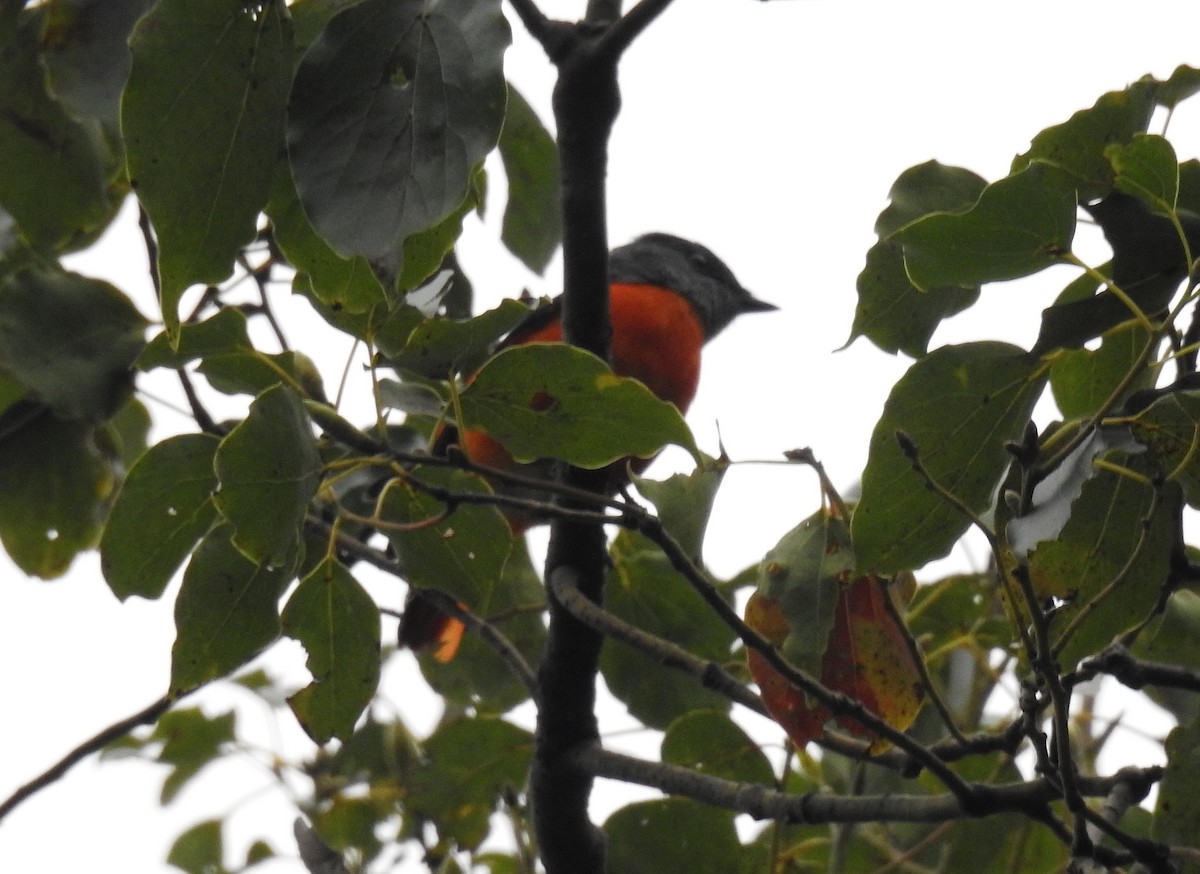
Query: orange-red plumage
668, 297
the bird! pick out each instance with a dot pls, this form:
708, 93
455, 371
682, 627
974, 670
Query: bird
668, 297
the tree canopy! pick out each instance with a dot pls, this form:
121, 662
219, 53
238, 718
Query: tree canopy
334, 150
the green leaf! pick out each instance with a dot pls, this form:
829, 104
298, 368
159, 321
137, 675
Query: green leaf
928, 188
53, 167
338, 624
472, 556
70, 340
476, 678
345, 824
1054, 495
672, 834
163, 508
805, 572
345, 284
253, 372
221, 334
426, 251
959, 405
1107, 563
86, 53
1183, 83
190, 740
1178, 807
711, 743
1174, 638
1083, 379
1148, 169
392, 107
532, 227
1020, 225
1077, 145
203, 117
269, 471
199, 850
550, 400
440, 346
469, 766
1170, 429
683, 502
55, 487
645, 591
893, 313
226, 613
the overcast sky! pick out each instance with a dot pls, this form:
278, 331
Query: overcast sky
769, 131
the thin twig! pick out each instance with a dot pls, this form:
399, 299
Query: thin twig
710, 674
94, 744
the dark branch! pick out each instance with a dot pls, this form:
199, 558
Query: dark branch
758, 801
93, 745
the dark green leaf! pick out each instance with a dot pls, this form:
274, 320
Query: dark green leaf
1183, 83
1077, 145
1083, 379
645, 591
439, 346
70, 340
222, 334
1107, 563
128, 430
259, 851
469, 766
1174, 638
345, 284
199, 850
163, 508
710, 742
1170, 429
338, 624
393, 106
55, 487
190, 740
1020, 225
959, 405
202, 145
684, 501
346, 824
893, 313
805, 573
1148, 169
86, 53
252, 372
550, 400
473, 557
1054, 496
53, 168
476, 677
226, 613
426, 251
673, 834
269, 471
928, 188
1178, 808
532, 226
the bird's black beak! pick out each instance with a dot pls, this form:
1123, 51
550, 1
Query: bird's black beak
751, 304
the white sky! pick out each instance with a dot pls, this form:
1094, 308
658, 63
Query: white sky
769, 131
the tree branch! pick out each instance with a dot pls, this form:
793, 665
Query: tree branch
1031, 798
119, 729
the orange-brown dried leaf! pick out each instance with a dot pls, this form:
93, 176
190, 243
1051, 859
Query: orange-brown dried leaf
787, 705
